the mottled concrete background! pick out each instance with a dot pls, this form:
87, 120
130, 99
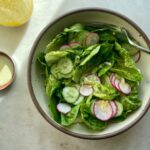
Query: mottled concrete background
21, 126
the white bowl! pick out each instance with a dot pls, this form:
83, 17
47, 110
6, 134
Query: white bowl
35, 80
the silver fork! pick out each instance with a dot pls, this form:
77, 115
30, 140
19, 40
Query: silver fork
134, 44
114, 27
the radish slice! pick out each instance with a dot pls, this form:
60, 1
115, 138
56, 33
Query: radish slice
124, 87
137, 56
74, 44
120, 85
116, 84
114, 108
65, 47
103, 110
63, 108
110, 78
113, 77
92, 38
86, 90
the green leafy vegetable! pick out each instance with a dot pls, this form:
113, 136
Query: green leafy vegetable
89, 120
52, 85
130, 104
52, 105
54, 56
55, 44
104, 92
70, 117
104, 67
131, 74
92, 54
75, 28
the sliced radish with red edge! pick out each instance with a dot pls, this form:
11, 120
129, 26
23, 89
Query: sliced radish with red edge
103, 110
113, 77
74, 44
116, 84
114, 108
125, 88
63, 108
86, 90
63, 47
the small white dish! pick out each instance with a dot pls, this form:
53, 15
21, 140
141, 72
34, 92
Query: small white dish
7, 71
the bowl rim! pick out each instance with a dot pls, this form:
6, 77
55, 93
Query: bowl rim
9, 83
37, 105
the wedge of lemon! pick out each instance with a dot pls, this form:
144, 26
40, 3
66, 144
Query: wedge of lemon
15, 12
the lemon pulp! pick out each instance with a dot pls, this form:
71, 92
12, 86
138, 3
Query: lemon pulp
15, 12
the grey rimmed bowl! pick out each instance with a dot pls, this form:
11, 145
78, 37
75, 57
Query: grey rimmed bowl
36, 82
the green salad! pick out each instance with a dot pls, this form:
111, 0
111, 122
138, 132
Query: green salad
90, 75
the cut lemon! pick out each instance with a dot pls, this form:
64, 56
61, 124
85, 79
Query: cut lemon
15, 12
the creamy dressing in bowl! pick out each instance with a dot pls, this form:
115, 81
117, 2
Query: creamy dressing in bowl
6, 71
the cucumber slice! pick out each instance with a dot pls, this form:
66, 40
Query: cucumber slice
65, 66
55, 72
119, 109
54, 56
66, 76
70, 94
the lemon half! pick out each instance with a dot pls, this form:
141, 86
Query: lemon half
15, 12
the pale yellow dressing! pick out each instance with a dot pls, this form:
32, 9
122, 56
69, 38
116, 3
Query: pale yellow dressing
6, 70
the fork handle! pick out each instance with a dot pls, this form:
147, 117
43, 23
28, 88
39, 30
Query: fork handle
141, 48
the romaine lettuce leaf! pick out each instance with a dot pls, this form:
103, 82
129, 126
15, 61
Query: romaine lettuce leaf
89, 119
53, 101
41, 58
57, 42
69, 118
62, 38
125, 66
124, 58
75, 28
105, 92
106, 66
131, 74
131, 49
130, 104
91, 55
104, 53
107, 36
51, 85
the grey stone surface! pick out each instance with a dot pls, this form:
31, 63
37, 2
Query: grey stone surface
21, 125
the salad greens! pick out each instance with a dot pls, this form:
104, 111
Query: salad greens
90, 73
